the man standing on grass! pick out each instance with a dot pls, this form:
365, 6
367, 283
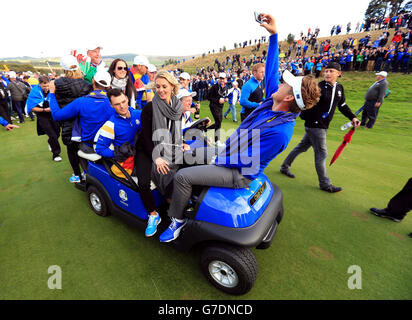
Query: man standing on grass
252, 91
317, 122
373, 100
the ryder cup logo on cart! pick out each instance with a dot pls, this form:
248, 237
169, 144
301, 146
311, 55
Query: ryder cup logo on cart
123, 195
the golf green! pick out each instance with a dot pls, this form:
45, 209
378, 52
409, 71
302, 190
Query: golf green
45, 221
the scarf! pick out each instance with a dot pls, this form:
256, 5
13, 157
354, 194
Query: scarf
35, 98
167, 128
119, 83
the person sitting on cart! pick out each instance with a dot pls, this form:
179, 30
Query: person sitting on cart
115, 139
272, 122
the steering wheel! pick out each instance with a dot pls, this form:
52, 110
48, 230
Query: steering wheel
200, 124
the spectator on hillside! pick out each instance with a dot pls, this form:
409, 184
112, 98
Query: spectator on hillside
348, 28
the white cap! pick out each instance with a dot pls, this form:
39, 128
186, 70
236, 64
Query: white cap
185, 93
235, 83
69, 63
222, 75
12, 74
383, 74
94, 47
185, 75
102, 75
141, 60
151, 68
296, 84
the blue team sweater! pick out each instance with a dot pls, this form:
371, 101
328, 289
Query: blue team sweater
3, 122
274, 129
93, 111
117, 130
247, 89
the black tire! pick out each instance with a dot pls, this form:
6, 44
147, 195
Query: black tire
97, 202
240, 262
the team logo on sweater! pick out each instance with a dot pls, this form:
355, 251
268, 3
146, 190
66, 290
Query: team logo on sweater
339, 93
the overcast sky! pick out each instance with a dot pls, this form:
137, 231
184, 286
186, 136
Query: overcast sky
175, 27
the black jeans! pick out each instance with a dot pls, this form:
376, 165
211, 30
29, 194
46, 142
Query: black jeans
217, 113
72, 149
143, 166
52, 130
369, 114
401, 203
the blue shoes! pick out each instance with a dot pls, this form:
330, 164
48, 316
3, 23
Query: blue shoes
152, 225
74, 179
173, 231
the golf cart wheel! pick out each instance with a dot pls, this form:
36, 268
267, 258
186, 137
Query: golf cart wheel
97, 201
229, 268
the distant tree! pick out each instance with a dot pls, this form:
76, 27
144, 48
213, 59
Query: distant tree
382, 8
376, 8
224, 48
290, 38
235, 45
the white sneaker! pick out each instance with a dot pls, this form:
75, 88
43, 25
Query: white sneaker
57, 159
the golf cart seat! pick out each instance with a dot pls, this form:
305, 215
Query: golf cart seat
89, 156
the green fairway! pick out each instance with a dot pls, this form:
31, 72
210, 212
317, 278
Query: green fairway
45, 221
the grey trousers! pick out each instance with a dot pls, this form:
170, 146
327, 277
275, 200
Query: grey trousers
316, 138
206, 175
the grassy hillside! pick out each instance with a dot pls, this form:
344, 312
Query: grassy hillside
191, 65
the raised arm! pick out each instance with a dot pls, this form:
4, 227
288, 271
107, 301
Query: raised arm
272, 60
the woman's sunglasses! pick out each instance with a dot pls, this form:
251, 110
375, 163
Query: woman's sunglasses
122, 68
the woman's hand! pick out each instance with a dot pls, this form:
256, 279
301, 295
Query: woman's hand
162, 166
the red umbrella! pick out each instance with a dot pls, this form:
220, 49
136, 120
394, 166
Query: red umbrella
346, 139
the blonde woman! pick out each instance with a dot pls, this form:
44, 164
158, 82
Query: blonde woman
158, 144
69, 88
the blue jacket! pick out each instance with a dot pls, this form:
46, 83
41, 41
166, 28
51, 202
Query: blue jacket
247, 89
116, 131
274, 129
3, 122
93, 111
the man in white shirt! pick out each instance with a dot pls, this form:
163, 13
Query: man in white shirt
234, 98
